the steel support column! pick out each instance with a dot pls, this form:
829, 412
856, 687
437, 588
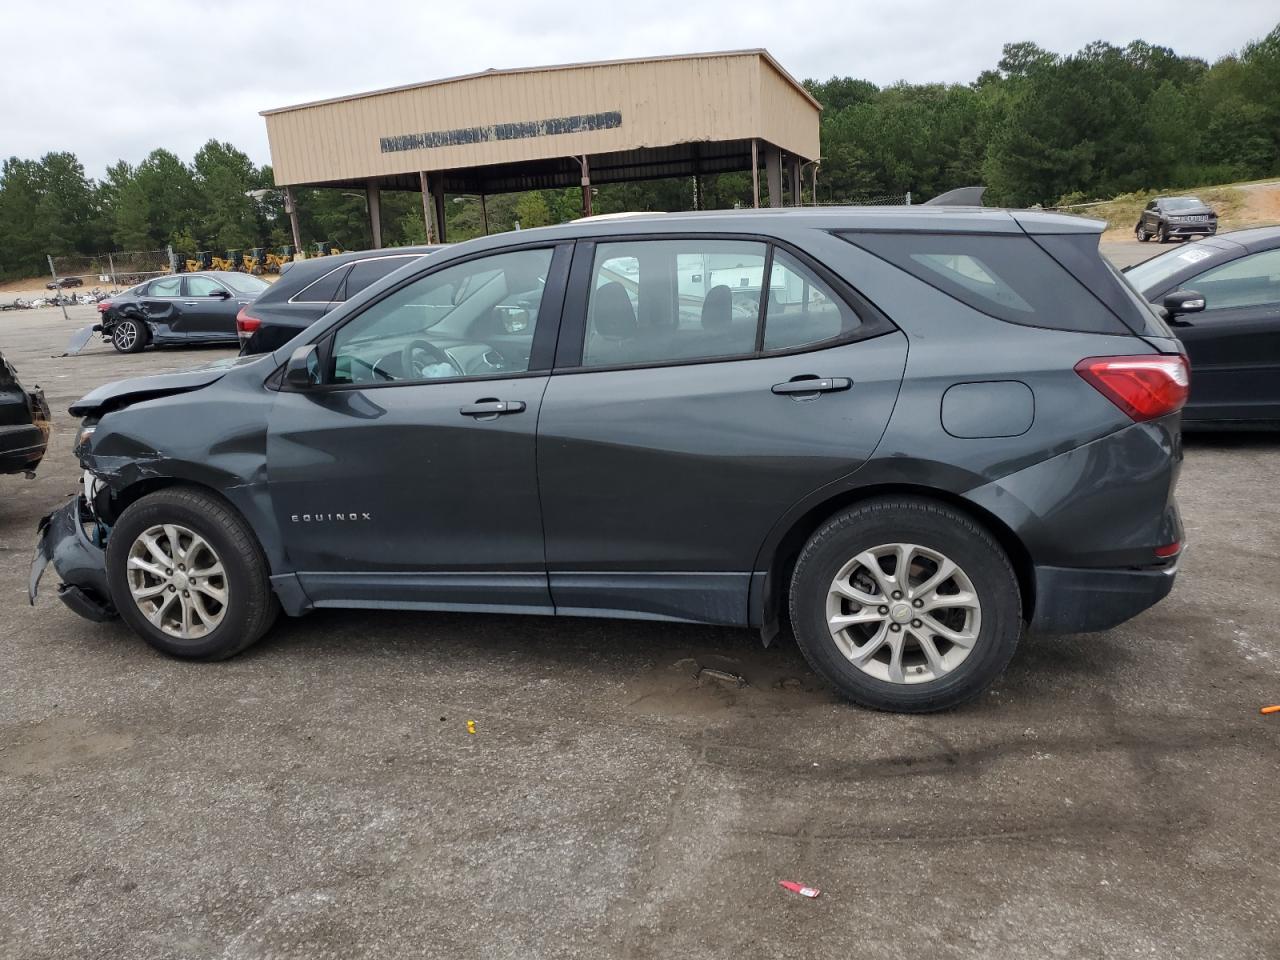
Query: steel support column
437, 198
794, 169
586, 186
755, 173
291, 208
773, 173
374, 204
425, 181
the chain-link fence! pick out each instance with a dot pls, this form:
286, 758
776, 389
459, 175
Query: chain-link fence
870, 200
121, 268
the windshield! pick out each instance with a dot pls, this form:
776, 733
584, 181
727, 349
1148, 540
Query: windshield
1174, 204
243, 283
1150, 275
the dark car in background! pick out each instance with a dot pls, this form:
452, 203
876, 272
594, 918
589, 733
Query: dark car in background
186, 308
937, 427
64, 282
1173, 218
311, 288
1223, 300
24, 423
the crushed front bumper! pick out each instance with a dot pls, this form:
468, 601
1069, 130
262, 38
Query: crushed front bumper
80, 563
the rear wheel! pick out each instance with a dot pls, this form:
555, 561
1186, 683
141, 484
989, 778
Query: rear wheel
906, 605
1142, 234
186, 572
129, 335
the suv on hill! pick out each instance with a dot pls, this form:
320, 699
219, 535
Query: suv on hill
927, 430
1170, 218
309, 289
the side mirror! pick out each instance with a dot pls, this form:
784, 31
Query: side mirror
302, 372
221, 294
1183, 301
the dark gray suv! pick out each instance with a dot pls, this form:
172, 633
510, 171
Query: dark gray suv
911, 433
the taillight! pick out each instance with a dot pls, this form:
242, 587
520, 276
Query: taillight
1169, 550
104, 306
246, 325
1143, 387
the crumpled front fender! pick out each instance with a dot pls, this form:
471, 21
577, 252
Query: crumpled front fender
80, 563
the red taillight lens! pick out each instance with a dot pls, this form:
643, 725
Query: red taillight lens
1169, 550
104, 306
1143, 387
246, 325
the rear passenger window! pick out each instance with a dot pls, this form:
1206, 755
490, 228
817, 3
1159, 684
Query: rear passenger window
323, 290
1007, 277
801, 308
656, 301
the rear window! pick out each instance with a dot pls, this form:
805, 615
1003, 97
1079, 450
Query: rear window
323, 290
367, 271
1006, 277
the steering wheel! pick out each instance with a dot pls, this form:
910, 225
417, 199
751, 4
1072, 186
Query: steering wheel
419, 354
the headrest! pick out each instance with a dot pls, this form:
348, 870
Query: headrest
717, 309
612, 312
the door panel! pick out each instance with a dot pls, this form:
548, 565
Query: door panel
680, 471
205, 316
392, 495
1235, 363
162, 305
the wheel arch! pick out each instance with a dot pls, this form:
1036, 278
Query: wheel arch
774, 567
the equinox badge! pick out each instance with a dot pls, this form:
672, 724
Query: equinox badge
326, 517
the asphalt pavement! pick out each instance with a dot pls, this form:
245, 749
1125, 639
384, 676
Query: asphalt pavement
321, 796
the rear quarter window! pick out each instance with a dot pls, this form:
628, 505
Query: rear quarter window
323, 290
1007, 277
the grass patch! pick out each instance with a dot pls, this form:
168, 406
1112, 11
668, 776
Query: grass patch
1121, 213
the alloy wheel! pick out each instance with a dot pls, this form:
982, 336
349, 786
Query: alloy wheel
125, 334
903, 613
178, 581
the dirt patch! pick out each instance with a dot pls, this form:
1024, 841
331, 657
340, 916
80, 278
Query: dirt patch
711, 683
40, 748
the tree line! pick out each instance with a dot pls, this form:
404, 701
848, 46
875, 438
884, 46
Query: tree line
1039, 127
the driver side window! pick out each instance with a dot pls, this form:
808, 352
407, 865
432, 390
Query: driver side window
474, 319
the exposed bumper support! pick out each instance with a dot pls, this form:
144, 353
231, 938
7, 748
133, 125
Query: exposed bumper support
81, 564
1080, 600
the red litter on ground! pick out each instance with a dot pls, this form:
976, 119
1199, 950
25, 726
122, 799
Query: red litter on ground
799, 888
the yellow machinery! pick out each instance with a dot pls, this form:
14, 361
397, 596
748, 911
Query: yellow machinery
251, 262
229, 262
278, 258
198, 261
327, 248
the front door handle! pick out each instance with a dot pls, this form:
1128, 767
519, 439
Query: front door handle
488, 409
190, 303
813, 385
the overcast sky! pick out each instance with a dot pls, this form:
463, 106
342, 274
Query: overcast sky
115, 80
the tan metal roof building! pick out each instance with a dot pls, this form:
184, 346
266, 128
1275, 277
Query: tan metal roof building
553, 127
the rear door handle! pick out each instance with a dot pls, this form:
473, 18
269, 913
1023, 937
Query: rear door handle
813, 385
489, 409
190, 303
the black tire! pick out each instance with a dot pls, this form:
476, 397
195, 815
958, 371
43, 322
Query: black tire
1141, 233
931, 525
251, 605
130, 335
1162, 235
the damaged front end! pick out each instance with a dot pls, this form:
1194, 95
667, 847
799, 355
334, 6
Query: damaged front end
72, 539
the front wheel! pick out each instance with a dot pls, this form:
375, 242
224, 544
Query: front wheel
905, 605
129, 335
1162, 234
186, 572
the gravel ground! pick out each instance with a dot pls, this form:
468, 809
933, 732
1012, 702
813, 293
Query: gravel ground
320, 796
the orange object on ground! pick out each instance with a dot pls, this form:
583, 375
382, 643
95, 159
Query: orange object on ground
1275, 709
799, 888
